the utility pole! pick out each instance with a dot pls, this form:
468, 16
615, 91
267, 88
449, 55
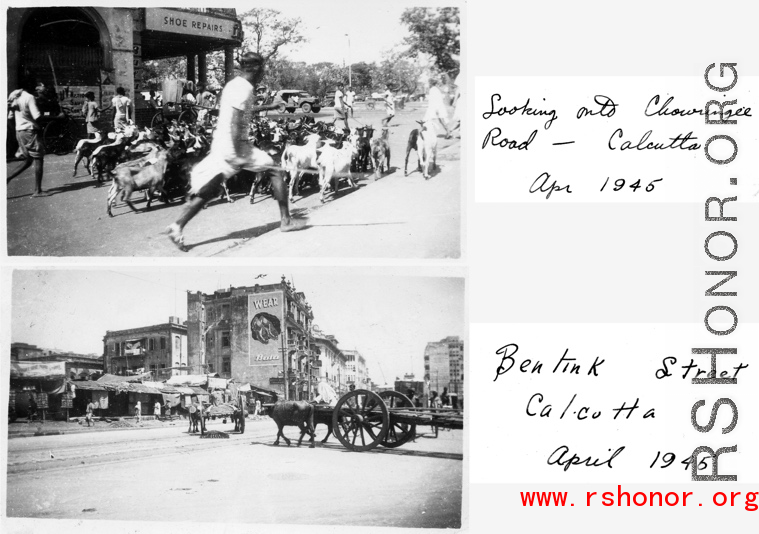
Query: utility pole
349, 60
283, 350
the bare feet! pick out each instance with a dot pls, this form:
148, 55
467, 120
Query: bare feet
176, 237
290, 225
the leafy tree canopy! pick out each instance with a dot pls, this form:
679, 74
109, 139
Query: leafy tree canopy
434, 31
267, 31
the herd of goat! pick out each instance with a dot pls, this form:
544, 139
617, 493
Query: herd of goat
311, 153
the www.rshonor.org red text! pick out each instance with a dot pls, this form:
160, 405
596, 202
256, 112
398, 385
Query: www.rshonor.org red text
746, 500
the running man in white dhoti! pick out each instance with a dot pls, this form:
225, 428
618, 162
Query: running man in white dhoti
231, 151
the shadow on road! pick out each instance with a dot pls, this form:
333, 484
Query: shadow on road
378, 450
357, 224
76, 186
156, 205
250, 233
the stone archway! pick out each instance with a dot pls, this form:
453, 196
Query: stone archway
62, 46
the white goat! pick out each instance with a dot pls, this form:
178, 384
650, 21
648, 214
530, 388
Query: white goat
426, 147
297, 159
333, 163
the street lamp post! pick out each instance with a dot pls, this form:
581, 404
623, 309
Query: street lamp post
350, 83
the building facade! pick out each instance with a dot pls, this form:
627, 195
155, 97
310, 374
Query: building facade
258, 335
160, 349
356, 369
25, 351
444, 366
80, 49
333, 368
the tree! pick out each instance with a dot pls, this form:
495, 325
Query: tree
267, 31
434, 31
323, 77
400, 73
363, 75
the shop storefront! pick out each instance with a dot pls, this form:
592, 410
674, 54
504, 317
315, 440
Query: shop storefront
79, 49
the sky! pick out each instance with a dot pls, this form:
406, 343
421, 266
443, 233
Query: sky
389, 319
373, 27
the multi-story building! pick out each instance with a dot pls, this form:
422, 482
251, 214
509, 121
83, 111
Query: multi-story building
333, 365
355, 366
25, 351
257, 335
160, 349
444, 365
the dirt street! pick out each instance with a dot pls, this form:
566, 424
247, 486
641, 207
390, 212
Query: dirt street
395, 216
173, 476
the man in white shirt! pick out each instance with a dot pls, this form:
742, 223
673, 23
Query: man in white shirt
120, 104
29, 135
340, 113
350, 97
231, 150
389, 99
436, 110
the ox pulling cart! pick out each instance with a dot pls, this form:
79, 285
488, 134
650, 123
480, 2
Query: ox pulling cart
362, 420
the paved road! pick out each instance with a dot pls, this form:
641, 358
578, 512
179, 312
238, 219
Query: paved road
394, 217
164, 474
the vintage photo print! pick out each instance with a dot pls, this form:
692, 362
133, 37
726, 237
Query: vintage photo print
279, 396
251, 131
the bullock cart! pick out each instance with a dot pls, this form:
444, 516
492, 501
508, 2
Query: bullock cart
363, 420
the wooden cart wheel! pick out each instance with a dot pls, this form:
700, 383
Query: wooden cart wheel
360, 420
397, 433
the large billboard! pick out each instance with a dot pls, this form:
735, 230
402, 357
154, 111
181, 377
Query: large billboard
266, 325
38, 370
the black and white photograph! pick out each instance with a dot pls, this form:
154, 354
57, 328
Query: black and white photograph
276, 130
279, 396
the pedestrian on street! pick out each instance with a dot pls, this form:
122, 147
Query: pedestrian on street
436, 110
88, 416
435, 400
153, 101
91, 112
157, 410
167, 408
205, 100
121, 105
444, 398
232, 152
389, 106
258, 407
350, 97
28, 134
32, 407
138, 411
340, 111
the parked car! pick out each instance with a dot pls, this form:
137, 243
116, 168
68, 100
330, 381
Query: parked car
329, 99
292, 99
